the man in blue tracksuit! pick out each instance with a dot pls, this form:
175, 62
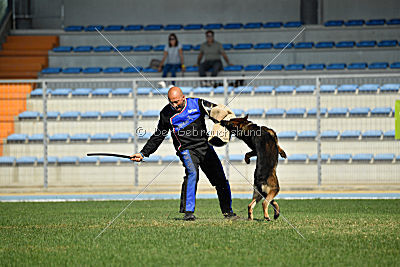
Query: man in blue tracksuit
184, 117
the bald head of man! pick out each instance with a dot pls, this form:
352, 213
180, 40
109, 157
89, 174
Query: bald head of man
176, 98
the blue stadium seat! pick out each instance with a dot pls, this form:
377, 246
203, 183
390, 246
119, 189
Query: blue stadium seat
389, 134
236, 157
381, 111
334, 23
368, 88
384, 157
192, 69
390, 87
227, 46
121, 92
202, 90
51, 160
313, 111
276, 112
255, 112
340, 157
285, 89
70, 115
28, 115
112, 70
108, 160
359, 111
328, 88
90, 115
61, 92
256, 67
238, 112
366, 44
273, 67
103, 48
336, 66
213, 26
395, 65
243, 89
350, 134
372, 134
74, 28
81, 92
263, 46
253, 25
363, 157
161, 91
233, 26
187, 47
60, 137
170, 158
124, 48
159, 48
35, 138
315, 66
263, 89
150, 70
72, 70
153, 27
153, 113
287, 135
297, 158
357, 66
347, 88
135, 69
133, 28
7, 160
283, 45
325, 45
191, 27
51, 70
62, 49
88, 160
173, 27
221, 90
314, 157
80, 137
83, 49
345, 44
338, 111
375, 22
17, 137
243, 46
92, 70
354, 22
276, 24
293, 24
143, 48
393, 22
144, 90
101, 92
145, 136
296, 112
93, 28
186, 89
303, 45
129, 114
233, 68
387, 43
307, 135
114, 28
100, 137
153, 159
305, 89
51, 115
27, 160
330, 134
121, 137
378, 65
295, 67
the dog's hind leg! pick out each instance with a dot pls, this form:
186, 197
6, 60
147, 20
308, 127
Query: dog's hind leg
277, 211
255, 200
271, 193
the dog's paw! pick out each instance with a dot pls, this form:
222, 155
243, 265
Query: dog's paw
276, 216
267, 219
283, 154
247, 160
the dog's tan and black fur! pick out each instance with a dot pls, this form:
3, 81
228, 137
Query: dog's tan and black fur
263, 143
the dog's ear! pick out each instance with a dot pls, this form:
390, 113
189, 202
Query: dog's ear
245, 117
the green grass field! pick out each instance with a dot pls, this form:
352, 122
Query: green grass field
337, 232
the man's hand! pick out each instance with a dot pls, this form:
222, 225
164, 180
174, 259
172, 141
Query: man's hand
137, 157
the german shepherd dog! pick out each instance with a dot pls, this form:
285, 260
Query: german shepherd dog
263, 143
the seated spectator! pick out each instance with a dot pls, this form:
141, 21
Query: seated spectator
212, 52
173, 57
